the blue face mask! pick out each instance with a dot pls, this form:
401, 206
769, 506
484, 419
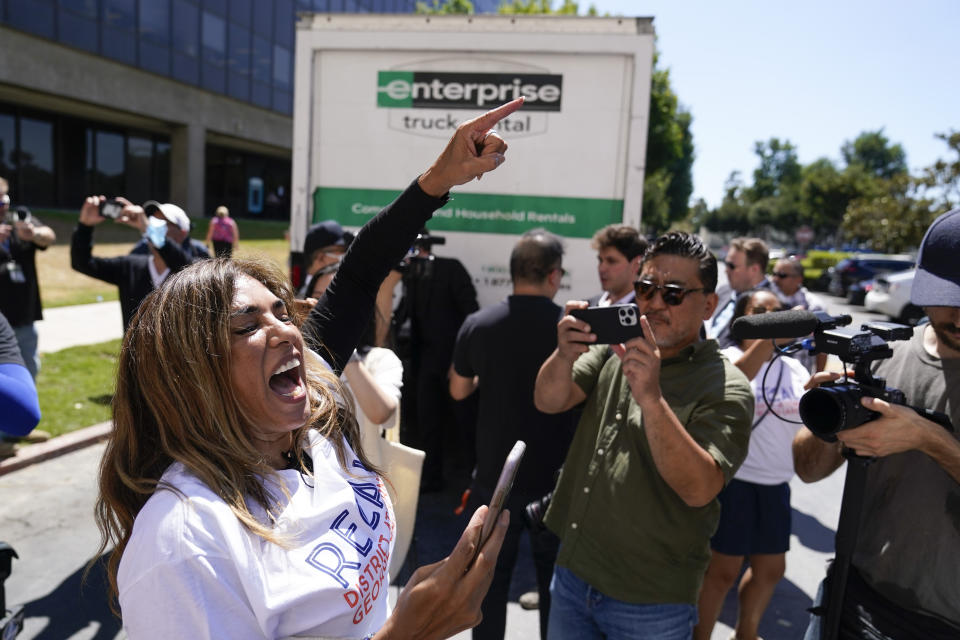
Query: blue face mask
157, 232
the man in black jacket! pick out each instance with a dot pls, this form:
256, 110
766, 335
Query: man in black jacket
135, 275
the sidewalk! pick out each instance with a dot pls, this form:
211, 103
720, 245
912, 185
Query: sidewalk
64, 327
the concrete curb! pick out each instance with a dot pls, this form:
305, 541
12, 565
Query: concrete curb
34, 453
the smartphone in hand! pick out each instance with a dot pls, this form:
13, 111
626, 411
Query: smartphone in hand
507, 475
612, 325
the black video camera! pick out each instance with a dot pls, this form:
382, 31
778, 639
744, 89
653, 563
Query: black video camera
835, 406
415, 267
17, 214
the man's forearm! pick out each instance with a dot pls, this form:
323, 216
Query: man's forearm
944, 449
555, 388
814, 459
686, 466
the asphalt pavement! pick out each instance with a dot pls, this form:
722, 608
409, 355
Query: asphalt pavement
46, 515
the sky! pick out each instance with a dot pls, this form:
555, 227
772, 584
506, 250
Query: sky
817, 73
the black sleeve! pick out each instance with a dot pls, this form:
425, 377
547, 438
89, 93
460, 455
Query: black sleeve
462, 350
464, 292
82, 259
174, 255
335, 325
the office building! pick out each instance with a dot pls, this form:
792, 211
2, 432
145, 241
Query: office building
187, 101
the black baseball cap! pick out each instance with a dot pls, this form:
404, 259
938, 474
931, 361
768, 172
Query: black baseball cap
937, 279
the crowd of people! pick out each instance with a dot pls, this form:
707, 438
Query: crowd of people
270, 444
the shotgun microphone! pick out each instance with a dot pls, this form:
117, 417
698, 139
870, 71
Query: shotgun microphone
794, 323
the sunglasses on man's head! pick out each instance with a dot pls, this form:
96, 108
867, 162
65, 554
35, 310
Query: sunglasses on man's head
672, 294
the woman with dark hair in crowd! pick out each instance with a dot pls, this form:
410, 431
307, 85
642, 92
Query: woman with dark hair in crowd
755, 506
235, 485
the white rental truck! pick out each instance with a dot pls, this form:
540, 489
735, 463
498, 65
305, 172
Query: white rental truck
377, 96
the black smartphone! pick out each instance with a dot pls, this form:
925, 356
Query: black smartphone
111, 209
612, 325
504, 484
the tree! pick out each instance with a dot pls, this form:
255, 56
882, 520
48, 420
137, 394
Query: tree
778, 172
873, 152
670, 152
519, 7
894, 221
463, 7
942, 178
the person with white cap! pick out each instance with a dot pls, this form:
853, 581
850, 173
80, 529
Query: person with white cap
173, 214
903, 576
164, 228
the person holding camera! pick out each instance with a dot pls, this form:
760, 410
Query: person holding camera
164, 227
21, 236
438, 296
665, 426
498, 352
902, 582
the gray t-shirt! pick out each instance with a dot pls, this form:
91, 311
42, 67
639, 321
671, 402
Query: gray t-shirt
909, 543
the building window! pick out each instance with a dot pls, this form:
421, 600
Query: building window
33, 16
238, 62
35, 160
110, 164
8, 144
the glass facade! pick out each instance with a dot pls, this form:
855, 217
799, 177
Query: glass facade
239, 48
52, 160
250, 185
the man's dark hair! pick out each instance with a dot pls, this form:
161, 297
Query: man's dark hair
755, 251
795, 264
621, 237
687, 245
536, 254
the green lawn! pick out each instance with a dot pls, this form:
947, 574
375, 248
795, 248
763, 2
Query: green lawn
76, 386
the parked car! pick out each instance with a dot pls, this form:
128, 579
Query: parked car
860, 267
858, 291
891, 296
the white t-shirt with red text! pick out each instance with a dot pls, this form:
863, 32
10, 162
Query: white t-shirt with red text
191, 570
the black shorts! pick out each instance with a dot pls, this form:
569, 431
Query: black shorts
754, 518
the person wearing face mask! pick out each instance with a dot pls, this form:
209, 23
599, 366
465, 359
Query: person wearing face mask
235, 488
665, 426
164, 228
755, 505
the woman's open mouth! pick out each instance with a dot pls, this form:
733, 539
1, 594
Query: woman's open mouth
286, 381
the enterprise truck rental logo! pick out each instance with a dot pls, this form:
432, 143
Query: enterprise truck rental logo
443, 90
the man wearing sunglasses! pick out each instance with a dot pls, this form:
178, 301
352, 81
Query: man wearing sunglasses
788, 286
746, 264
665, 426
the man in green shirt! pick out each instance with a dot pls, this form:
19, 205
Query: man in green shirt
665, 426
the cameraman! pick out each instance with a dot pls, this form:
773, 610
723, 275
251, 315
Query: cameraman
903, 578
164, 226
21, 235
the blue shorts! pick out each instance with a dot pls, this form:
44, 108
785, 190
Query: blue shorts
754, 518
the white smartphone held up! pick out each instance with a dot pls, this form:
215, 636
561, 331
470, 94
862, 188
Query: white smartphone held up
507, 475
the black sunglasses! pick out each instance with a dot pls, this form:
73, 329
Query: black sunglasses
730, 265
672, 294
782, 274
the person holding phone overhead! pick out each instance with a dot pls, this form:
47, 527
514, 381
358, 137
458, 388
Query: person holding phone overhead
665, 426
235, 488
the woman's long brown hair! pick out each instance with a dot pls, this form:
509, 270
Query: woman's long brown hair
174, 403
